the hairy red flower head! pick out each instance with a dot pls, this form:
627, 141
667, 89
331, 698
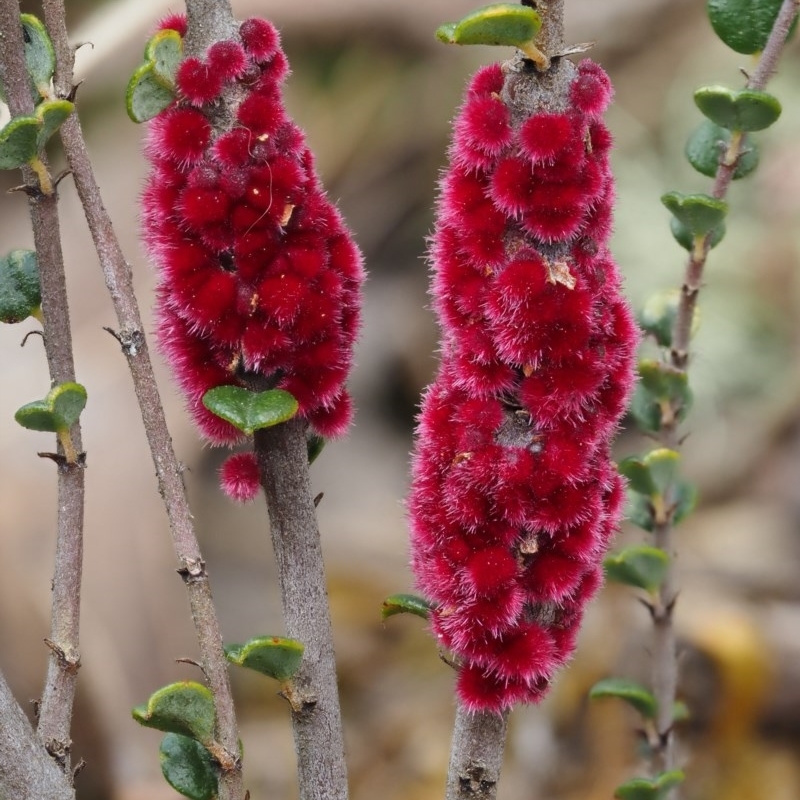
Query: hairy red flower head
514, 496
259, 279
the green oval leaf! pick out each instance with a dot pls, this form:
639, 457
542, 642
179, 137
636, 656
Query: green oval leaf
185, 707
744, 110
640, 512
658, 315
405, 604
659, 387
632, 693
52, 113
641, 566
146, 97
638, 475
315, 445
683, 499
708, 142
683, 236
496, 24
662, 466
20, 293
650, 789
744, 25
57, 413
273, 656
250, 411
700, 213
18, 141
187, 767
40, 56
165, 51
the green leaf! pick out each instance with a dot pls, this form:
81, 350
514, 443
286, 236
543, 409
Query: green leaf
57, 413
700, 213
662, 464
641, 566
744, 25
659, 387
497, 24
20, 293
646, 789
743, 110
658, 315
186, 708
405, 604
640, 511
146, 96
40, 56
632, 693
683, 499
315, 445
250, 411
273, 656
709, 141
187, 767
18, 141
638, 475
683, 236
52, 113
165, 51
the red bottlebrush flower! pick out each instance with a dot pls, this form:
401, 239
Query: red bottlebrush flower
514, 496
259, 279
239, 477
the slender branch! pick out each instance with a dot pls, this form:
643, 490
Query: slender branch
26, 770
664, 662
59, 693
476, 755
316, 718
118, 277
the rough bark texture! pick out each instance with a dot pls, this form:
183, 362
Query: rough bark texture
316, 718
476, 755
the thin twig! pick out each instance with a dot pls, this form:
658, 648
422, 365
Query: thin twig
664, 663
117, 274
476, 755
59, 693
316, 719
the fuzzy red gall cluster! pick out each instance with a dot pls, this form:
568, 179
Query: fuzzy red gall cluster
259, 279
514, 496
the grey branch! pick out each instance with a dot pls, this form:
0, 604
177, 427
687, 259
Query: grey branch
476, 755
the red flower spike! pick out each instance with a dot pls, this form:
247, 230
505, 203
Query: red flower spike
239, 477
259, 279
514, 496
174, 22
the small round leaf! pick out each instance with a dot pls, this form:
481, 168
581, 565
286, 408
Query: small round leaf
709, 141
185, 707
649, 789
683, 236
659, 386
187, 767
641, 566
632, 693
658, 316
744, 110
146, 97
52, 113
250, 411
18, 141
165, 51
40, 56
744, 25
315, 445
273, 656
20, 293
405, 604
496, 24
57, 413
700, 213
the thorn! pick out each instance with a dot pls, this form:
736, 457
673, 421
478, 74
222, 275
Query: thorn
74, 90
318, 499
190, 661
37, 706
60, 177
113, 333
31, 333
34, 192
79, 767
57, 457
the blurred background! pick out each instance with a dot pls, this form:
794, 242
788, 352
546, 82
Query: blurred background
376, 93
